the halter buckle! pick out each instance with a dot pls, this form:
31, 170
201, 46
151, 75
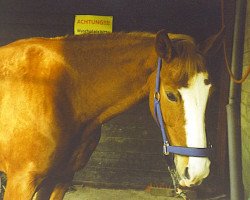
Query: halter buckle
165, 147
210, 146
157, 96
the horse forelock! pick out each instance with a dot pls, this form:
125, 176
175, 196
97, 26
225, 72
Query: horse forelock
186, 64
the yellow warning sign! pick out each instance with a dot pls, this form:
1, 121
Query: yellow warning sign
93, 24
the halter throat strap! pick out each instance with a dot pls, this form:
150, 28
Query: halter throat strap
167, 148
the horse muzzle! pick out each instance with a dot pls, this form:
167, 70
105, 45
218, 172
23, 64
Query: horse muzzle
194, 173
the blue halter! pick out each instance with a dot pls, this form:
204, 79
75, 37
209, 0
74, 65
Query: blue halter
167, 148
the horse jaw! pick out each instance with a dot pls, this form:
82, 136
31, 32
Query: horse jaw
195, 99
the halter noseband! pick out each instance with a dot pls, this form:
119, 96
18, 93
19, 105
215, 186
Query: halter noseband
167, 148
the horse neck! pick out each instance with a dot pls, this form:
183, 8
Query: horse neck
109, 83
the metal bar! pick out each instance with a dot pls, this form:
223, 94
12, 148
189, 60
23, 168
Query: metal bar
233, 108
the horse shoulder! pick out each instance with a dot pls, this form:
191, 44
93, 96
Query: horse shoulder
31, 91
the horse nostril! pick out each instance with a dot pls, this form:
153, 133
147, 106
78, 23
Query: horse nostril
186, 173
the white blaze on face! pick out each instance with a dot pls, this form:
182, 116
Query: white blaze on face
195, 99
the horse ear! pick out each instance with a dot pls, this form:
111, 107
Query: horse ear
212, 44
163, 46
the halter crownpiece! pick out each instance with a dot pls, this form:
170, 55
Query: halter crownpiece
167, 148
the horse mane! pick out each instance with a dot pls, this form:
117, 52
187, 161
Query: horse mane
115, 35
189, 61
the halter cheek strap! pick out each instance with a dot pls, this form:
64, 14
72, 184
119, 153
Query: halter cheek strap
167, 148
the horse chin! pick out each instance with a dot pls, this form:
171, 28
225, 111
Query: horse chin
184, 182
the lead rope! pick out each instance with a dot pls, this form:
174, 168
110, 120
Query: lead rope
247, 72
179, 192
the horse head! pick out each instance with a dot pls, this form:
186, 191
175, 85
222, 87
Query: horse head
183, 94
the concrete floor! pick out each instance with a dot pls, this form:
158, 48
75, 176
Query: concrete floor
86, 193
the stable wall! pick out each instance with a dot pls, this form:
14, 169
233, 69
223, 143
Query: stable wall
245, 110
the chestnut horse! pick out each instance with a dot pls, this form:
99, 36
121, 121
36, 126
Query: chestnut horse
56, 92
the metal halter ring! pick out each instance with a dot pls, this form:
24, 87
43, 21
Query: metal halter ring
165, 146
157, 96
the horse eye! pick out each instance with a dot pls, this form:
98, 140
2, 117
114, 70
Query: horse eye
172, 97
